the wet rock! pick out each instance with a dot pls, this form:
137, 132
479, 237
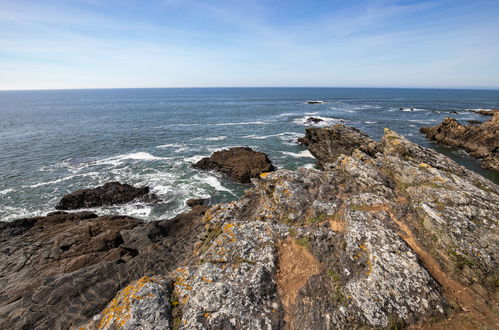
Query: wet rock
109, 194
315, 102
197, 201
480, 141
489, 112
474, 122
60, 270
313, 120
454, 112
328, 143
240, 163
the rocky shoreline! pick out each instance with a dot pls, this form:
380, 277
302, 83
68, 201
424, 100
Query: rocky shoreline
480, 141
386, 235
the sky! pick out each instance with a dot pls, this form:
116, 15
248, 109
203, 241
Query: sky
51, 44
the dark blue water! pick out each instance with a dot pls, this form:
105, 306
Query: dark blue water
54, 142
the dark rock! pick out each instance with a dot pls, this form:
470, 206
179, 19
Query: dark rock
327, 143
197, 201
455, 112
316, 102
480, 141
474, 122
59, 271
240, 163
490, 112
313, 120
109, 194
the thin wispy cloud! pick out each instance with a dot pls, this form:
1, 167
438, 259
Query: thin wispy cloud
99, 44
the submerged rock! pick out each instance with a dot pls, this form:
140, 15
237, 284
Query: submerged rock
328, 143
480, 141
313, 120
110, 193
240, 163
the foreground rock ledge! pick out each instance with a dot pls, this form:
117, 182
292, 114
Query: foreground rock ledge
240, 163
480, 141
400, 237
403, 237
110, 193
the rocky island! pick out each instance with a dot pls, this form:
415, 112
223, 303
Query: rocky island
386, 235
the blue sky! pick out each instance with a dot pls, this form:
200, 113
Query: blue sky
203, 43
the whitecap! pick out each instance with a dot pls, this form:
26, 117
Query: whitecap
301, 154
170, 145
370, 122
309, 166
242, 123
116, 160
214, 138
325, 121
213, 182
194, 159
6, 191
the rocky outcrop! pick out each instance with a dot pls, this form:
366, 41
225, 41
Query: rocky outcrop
110, 193
489, 112
328, 143
480, 141
400, 237
313, 120
60, 270
315, 102
197, 201
240, 163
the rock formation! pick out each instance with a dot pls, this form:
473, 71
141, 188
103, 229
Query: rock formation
109, 194
240, 163
197, 201
313, 120
328, 143
490, 112
480, 141
60, 270
387, 235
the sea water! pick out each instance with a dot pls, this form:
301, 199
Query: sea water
55, 142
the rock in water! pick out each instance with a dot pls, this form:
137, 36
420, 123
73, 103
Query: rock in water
197, 201
313, 120
328, 143
490, 112
480, 141
400, 237
109, 194
240, 163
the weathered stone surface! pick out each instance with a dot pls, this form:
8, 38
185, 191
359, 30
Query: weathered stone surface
59, 271
109, 194
402, 237
328, 143
197, 201
480, 141
490, 112
240, 164
313, 120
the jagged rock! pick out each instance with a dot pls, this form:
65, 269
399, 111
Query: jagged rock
59, 271
328, 143
401, 237
109, 194
197, 201
240, 163
480, 141
313, 120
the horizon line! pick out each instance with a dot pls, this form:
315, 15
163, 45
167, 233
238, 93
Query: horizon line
241, 87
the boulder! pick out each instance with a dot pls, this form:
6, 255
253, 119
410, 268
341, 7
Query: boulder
60, 270
197, 201
110, 193
240, 163
328, 143
480, 141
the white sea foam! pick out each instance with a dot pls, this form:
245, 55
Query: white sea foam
214, 138
301, 154
116, 160
242, 123
370, 122
325, 121
170, 145
194, 159
213, 182
6, 191
309, 166
478, 109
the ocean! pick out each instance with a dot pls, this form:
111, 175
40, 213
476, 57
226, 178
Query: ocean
55, 142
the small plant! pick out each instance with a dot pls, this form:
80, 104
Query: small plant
304, 242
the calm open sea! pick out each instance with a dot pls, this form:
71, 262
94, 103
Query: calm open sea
55, 142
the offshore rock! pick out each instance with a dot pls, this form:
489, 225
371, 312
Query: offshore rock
240, 163
109, 194
402, 237
328, 143
489, 112
58, 271
480, 141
